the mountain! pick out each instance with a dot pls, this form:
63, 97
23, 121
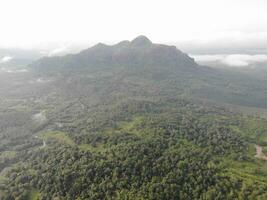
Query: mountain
135, 120
139, 53
163, 64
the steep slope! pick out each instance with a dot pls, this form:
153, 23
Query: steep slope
139, 53
164, 66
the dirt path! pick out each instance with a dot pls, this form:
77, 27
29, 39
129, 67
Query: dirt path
259, 153
44, 143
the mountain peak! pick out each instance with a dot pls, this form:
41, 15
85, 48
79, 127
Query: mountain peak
100, 45
141, 41
139, 52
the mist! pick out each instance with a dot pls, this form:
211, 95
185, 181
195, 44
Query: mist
232, 60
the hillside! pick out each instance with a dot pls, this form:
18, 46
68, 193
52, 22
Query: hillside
135, 120
140, 53
166, 66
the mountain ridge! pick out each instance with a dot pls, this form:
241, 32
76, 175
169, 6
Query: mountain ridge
162, 65
140, 51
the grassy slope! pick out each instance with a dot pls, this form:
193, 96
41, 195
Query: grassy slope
58, 136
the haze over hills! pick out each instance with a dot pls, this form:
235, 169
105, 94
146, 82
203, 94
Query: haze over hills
157, 62
134, 120
140, 52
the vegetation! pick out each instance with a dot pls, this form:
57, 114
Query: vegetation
189, 153
126, 122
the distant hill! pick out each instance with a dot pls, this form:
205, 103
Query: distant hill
139, 53
143, 61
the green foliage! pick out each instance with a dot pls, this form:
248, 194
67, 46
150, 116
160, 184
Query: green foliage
185, 152
57, 136
33, 195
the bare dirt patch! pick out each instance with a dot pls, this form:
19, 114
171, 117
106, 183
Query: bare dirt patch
259, 153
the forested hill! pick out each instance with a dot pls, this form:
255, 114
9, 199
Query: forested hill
138, 54
132, 121
142, 61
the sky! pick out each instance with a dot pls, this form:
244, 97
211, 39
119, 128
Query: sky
200, 27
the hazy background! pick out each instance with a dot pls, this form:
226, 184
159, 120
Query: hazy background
229, 32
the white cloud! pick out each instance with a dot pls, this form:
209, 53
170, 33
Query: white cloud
59, 51
6, 59
6, 70
244, 60
207, 58
40, 117
233, 60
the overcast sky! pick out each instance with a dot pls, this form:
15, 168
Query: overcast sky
232, 24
